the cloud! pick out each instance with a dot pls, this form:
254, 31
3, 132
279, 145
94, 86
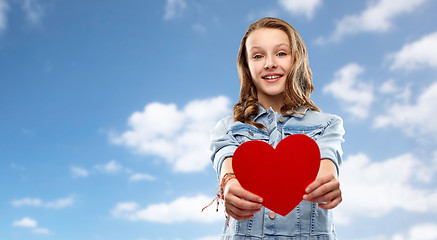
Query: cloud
180, 137
17, 167
60, 203
174, 8
374, 189
25, 222
183, 209
415, 119
31, 223
419, 54
209, 238
141, 177
299, 7
27, 132
36, 202
4, 7
112, 167
33, 10
392, 92
389, 87
377, 17
79, 171
354, 95
200, 28
43, 231
424, 231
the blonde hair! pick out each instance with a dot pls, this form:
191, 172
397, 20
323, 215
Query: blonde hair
298, 86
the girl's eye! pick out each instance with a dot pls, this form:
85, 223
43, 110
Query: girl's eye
282, 54
257, 56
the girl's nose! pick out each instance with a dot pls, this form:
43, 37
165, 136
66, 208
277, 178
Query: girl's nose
270, 63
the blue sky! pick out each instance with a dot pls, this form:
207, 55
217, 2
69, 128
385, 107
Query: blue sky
106, 106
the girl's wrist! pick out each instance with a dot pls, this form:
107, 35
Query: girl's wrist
225, 179
221, 188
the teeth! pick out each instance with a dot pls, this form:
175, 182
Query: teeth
271, 77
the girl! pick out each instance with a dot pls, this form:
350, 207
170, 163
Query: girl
276, 84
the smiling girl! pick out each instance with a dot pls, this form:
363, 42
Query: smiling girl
275, 88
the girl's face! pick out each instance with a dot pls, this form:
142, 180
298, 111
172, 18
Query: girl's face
269, 61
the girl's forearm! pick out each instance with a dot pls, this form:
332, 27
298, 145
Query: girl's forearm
327, 165
226, 166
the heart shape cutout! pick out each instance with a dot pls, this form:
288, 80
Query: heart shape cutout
279, 175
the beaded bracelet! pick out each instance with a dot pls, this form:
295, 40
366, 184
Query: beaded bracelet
221, 189
225, 179
220, 192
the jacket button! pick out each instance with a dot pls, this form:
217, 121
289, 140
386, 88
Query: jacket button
250, 133
281, 119
272, 215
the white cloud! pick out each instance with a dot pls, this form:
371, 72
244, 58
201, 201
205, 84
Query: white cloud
416, 120
43, 231
111, 167
299, 7
17, 167
181, 137
393, 93
388, 87
427, 231
182, 209
200, 28
33, 10
377, 17
79, 171
424, 231
36, 202
27, 132
174, 8
33, 224
354, 95
60, 203
415, 55
4, 7
140, 177
373, 189
25, 222
209, 238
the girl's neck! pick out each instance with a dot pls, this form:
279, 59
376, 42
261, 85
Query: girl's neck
275, 102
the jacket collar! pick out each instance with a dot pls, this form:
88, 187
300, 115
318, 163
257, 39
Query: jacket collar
262, 111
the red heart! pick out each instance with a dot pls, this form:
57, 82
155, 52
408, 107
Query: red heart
279, 175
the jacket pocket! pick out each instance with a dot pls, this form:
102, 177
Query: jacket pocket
311, 131
244, 133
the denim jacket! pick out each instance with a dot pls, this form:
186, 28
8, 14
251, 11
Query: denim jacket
307, 221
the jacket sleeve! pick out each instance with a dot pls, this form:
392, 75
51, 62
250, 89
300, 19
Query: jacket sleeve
223, 143
330, 141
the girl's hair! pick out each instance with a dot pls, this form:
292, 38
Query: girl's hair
298, 86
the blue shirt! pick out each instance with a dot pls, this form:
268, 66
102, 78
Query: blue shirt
307, 221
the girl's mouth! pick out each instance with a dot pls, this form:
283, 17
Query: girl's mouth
272, 78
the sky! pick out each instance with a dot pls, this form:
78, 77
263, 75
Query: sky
106, 108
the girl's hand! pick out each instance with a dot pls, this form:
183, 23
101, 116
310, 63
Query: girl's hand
239, 203
325, 190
